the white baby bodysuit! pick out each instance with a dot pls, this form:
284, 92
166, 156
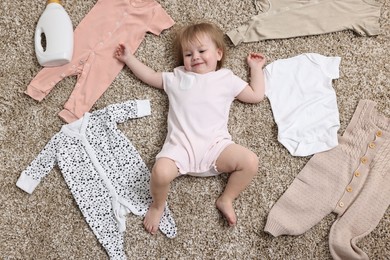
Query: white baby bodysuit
303, 102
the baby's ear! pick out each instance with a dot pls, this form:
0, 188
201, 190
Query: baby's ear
219, 54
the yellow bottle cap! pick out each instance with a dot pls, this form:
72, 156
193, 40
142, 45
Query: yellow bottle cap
53, 1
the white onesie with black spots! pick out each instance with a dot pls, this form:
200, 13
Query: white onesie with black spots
103, 170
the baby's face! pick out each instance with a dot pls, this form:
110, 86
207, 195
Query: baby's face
201, 56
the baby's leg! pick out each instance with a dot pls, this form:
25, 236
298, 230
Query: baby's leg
163, 172
242, 164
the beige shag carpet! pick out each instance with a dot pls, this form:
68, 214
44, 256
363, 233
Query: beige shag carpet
48, 223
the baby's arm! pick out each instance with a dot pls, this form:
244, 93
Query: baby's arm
254, 92
140, 70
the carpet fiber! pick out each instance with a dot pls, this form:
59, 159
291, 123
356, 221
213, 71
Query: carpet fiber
48, 223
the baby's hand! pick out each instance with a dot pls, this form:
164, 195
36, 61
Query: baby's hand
122, 53
256, 59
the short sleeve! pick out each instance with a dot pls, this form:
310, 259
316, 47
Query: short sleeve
329, 65
160, 21
168, 80
237, 84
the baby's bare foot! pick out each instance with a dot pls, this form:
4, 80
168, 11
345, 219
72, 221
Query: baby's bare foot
227, 210
152, 219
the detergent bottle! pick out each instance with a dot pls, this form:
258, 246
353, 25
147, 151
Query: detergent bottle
54, 36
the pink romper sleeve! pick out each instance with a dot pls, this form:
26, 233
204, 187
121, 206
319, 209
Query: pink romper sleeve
160, 21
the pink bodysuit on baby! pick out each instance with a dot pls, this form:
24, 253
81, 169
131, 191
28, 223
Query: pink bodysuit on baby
198, 115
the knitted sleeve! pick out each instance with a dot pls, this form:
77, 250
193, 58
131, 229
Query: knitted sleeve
39, 167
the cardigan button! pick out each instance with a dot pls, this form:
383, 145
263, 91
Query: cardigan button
363, 160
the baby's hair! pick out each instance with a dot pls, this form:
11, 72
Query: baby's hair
191, 33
